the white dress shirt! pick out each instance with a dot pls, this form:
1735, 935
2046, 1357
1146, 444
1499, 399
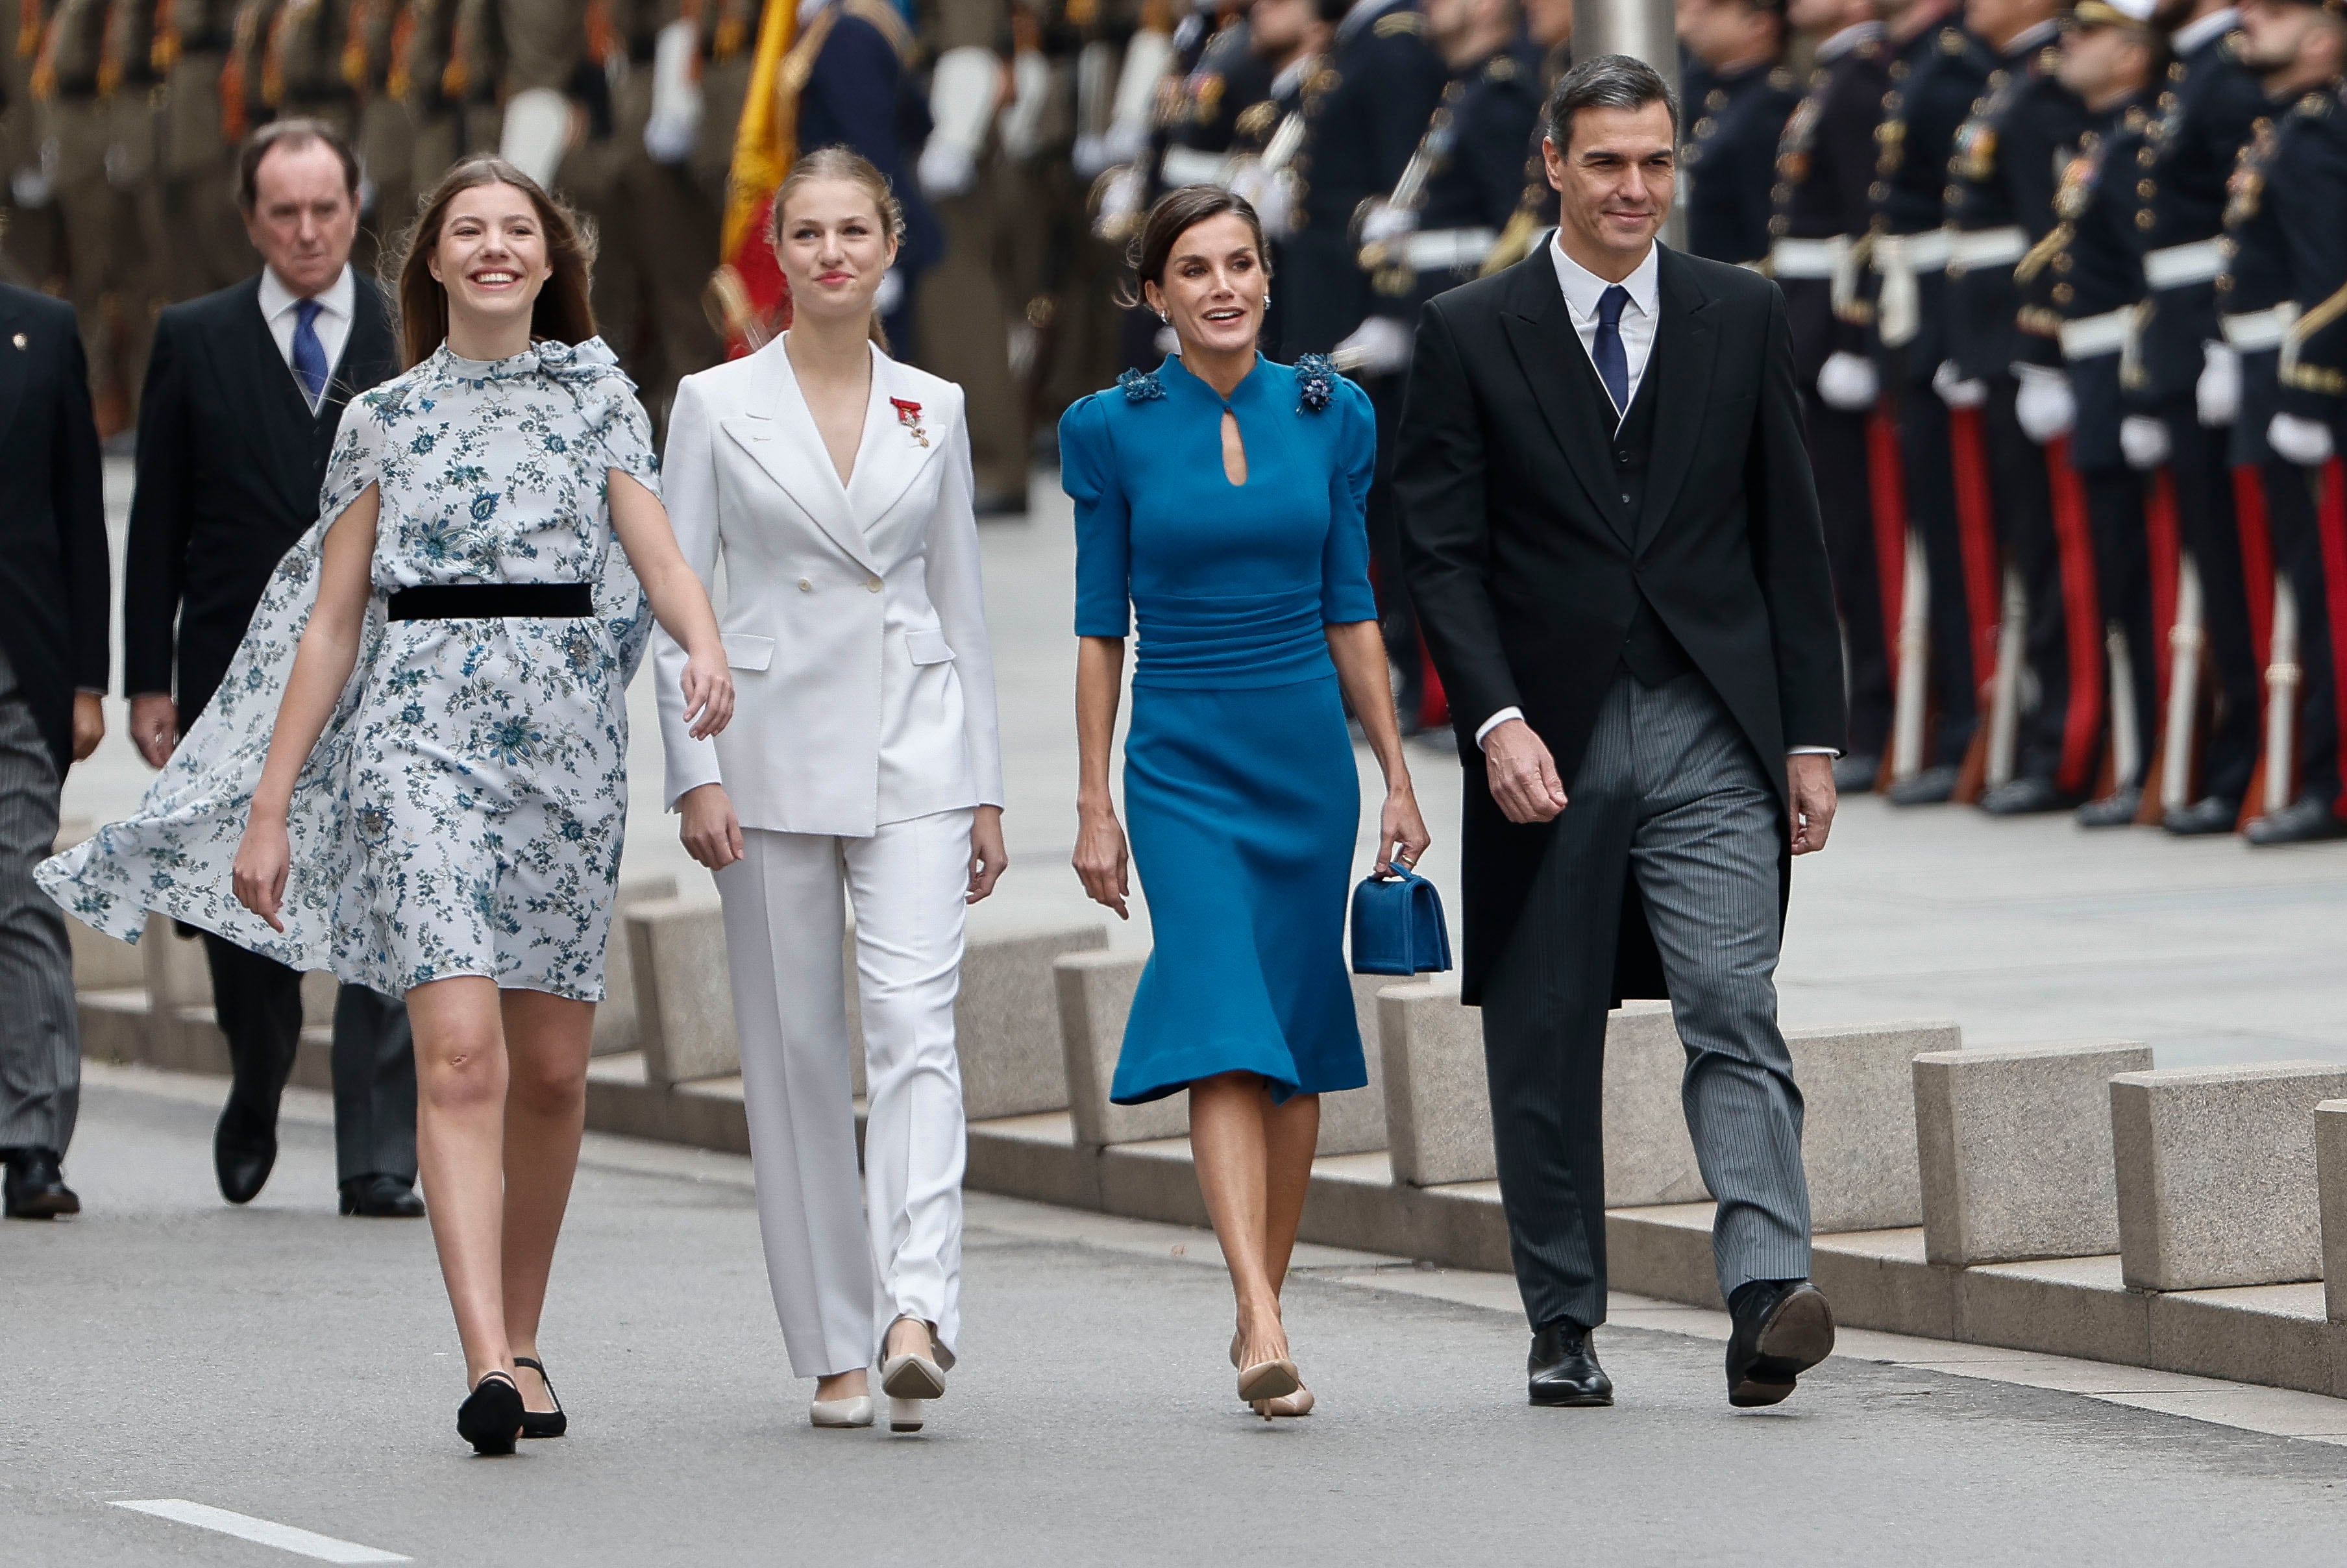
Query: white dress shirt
281, 308
1583, 288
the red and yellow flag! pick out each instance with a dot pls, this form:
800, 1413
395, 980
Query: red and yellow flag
747, 296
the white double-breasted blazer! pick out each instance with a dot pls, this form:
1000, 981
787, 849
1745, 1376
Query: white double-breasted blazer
853, 618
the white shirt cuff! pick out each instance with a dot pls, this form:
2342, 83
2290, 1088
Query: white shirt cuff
1493, 722
1812, 751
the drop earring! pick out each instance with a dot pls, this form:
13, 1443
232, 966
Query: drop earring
1163, 316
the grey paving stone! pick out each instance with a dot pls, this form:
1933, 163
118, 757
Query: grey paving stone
2014, 1150
684, 997
2217, 1173
1858, 1135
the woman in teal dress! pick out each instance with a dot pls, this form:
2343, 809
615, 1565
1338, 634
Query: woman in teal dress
1219, 505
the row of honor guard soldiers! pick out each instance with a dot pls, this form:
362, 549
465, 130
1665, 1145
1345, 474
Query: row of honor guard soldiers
2072, 403
119, 120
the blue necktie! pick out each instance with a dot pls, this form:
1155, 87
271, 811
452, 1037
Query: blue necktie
310, 354
1612, 365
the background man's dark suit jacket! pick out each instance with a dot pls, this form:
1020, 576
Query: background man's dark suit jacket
1527, 570
53, 578
230, 465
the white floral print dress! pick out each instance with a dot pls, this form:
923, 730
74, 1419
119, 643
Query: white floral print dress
463, 812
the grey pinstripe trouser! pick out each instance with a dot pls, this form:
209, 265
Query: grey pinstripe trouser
40, 1032
1669, 788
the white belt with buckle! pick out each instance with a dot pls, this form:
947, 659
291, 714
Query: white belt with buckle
2254, 331
2091, 337
1924, 252
2181, 266
1191, 166
1448, 249
1969, 249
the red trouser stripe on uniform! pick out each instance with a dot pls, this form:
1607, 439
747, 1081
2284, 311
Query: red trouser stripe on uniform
2082, 620
1976, 532
2159, 523
1886, 486
2257, 556
2332, 518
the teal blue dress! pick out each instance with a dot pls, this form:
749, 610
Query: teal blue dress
1240, 793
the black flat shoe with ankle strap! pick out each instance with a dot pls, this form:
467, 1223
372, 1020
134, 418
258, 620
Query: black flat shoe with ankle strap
550, 1423
491, 1416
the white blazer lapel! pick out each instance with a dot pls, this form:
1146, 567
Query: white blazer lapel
893, 456
789, 447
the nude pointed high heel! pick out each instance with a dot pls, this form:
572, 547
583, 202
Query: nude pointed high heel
913, 1377
1298, 1403
1266, 1380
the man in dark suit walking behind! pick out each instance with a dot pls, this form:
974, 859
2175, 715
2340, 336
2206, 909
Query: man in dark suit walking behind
244, 391
53, 665
1612, 537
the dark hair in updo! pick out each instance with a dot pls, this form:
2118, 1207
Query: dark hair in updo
1176, 213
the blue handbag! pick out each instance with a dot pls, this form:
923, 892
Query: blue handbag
1398, 926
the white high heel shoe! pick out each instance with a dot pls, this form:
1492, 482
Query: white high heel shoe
910, 1381
854, 1412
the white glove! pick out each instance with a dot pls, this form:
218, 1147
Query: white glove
1091, 155
1386, 222
2045, 407
1126, 143
945, 169
536, 133
2144, 440
2218, 389
1955, 390
1120, 202
674, 127
1379, 346
1020, 122
890, 294
965, 87
1848, 382
31, 187
1271, 193
2305, 442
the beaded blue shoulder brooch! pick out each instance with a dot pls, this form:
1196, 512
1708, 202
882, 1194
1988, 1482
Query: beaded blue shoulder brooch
1315, 382
1141, 386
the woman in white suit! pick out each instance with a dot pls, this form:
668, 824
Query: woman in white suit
835, 485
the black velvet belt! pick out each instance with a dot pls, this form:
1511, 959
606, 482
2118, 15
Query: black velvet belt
485, 600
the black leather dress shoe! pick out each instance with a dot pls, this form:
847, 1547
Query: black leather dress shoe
1856, 775
36, 1186
1564, 1370
382, 1198
2306, 820
2117, 809
2025, 797
2204, 818
1783, 1327
242, 1159
1932, 786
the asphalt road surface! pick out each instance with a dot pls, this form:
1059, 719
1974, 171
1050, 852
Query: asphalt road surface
298, 1370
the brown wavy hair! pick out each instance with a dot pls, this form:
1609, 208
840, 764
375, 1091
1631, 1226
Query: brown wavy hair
840, 163
563, 311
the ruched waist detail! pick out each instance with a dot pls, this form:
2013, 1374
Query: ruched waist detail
1231, 640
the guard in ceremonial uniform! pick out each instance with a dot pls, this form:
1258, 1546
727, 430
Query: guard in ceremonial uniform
966, 304
196, 162
2000, 196
1290, 38
1463, 177
72, 75
2287, 225
31, 243
1936, 69
1728, 162
1366, 114
1824, 164
1548, 27
2079, 291
2206, 108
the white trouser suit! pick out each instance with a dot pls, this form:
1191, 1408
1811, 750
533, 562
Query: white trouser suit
862, 740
